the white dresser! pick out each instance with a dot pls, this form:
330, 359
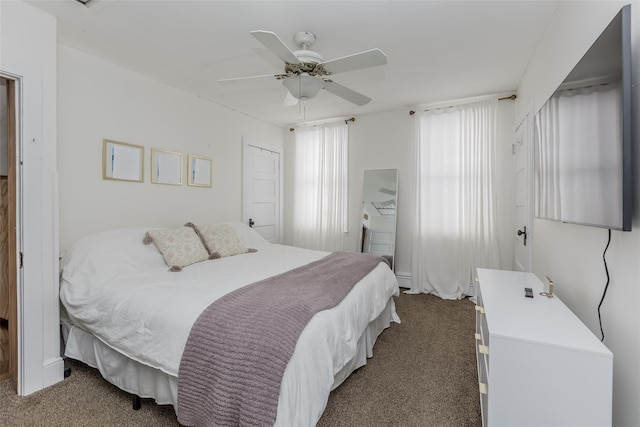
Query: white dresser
538, 364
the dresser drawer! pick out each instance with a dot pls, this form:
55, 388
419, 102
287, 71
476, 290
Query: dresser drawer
483, 384
482, 331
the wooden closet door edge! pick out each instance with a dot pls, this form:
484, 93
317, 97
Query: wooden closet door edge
13, 273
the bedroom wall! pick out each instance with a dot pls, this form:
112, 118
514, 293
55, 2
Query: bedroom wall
570, 254
386, 141
102, 100
28, 49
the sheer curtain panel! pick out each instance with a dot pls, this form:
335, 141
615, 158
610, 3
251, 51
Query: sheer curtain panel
455, 227
320, 188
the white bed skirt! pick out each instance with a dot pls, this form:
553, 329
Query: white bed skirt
147, 382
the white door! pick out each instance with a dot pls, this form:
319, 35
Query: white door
522, 232
261, 185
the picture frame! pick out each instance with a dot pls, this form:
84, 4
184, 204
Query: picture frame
166, 167
199, 171
122, 161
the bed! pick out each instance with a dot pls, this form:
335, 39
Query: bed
126, 314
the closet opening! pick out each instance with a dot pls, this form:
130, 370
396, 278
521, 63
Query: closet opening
8, 258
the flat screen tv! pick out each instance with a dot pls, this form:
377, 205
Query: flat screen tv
582, 138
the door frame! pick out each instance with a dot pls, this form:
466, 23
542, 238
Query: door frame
12, 252
14, 173
248, 141
32, 371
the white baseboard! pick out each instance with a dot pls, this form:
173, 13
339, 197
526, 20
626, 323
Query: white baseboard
404, 279
52, 371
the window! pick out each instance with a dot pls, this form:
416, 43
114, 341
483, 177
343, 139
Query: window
321, 187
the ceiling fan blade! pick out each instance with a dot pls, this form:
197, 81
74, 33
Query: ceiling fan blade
357, 61
272, 42
241, 79
346, 93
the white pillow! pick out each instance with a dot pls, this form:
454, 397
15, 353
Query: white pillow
180, 247
221, 240
107, 254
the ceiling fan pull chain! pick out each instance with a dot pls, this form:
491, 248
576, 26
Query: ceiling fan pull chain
300, 101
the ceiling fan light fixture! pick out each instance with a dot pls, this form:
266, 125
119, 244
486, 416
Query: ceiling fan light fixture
303, 86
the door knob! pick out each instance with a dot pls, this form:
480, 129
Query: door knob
251, 223
523, 232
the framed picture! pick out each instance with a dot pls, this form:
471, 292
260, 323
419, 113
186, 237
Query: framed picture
166, 167
122, 161
200, 171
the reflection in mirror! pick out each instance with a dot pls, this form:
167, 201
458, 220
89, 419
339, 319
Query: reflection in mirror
378, 220
166, 167
122, 161
200, 171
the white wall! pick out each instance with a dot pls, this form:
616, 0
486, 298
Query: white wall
28, 50
572, 255
386, 141
99, 99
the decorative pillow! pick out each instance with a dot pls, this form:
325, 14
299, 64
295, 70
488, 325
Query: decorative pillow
220, 240
180, 247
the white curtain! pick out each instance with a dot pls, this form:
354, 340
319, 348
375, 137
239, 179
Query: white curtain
455, 227
321, 187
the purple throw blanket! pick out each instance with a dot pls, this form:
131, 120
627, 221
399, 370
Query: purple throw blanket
238, 348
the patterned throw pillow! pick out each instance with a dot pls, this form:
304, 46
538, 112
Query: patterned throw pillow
221, 240
180, 247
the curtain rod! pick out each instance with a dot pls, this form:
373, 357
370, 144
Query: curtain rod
346, 122
510, 97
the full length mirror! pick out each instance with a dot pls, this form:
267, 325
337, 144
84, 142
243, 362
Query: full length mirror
378, 219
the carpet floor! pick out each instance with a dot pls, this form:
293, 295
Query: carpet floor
423, 373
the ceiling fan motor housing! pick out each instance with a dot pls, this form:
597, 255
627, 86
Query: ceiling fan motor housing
308, 56
304, 40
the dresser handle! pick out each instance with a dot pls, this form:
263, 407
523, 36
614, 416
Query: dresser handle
480, 309
483, 388
478, 337
484, 349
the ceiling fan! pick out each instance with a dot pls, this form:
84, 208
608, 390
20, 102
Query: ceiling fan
305, 71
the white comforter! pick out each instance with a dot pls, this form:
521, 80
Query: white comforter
121, 291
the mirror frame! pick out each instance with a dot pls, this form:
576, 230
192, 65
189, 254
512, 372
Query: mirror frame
175, 164
196, 171
128, 152
365, 217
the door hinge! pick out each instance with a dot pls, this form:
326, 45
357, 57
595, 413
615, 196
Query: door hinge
513, 148
21, 260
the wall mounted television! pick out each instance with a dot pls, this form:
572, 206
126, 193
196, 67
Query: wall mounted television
582, 138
